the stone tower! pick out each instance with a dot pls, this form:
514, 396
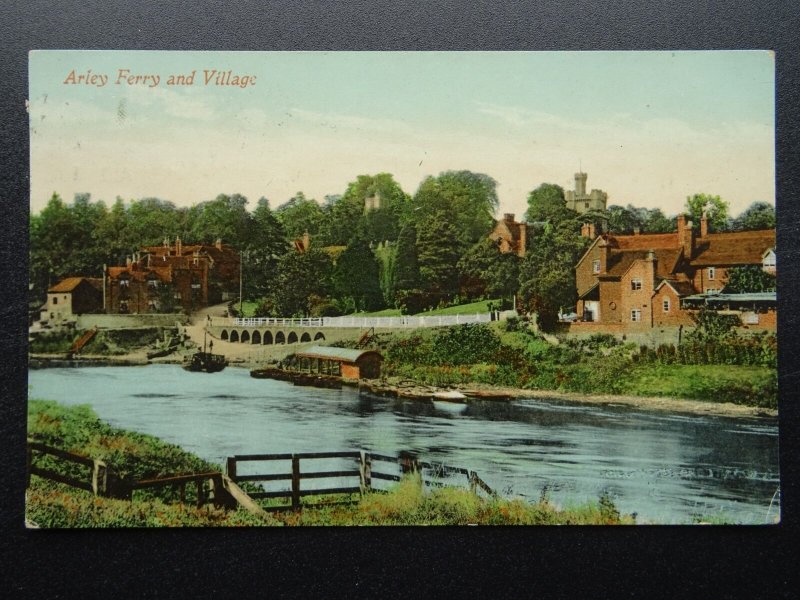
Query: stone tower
578, 200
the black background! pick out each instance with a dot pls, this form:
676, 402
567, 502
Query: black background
476, 562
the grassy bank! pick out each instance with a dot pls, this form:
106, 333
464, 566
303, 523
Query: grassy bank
508, 355
108, 342
77, 429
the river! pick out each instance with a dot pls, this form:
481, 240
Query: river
667, 468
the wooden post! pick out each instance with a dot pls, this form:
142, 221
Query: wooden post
231, 467
365, 472
295, 482
99, 478
473, 484
201, 493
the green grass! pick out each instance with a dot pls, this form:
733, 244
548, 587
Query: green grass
248, 308
462, 309
719, 383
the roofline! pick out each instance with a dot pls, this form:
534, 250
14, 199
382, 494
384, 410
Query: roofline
589, 249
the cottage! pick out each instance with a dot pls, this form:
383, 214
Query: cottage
350, 364
70, 297
640, 281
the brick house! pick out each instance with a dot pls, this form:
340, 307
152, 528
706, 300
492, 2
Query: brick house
193, 275
511, 235
70, 297
637, 282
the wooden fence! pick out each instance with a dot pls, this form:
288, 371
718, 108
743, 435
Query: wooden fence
212, 487
223, 490
360, 475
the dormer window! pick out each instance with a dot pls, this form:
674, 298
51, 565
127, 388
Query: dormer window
125, 282
769, 263
712, 273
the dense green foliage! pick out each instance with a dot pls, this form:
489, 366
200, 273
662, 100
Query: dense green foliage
749, 278
731, 369
432, 249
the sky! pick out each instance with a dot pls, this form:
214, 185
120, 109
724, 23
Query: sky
649, 128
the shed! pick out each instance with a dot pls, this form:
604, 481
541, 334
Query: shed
351, 364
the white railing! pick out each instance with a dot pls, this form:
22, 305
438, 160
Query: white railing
362, 322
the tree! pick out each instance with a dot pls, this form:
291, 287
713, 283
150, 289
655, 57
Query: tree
405, 275
749, 278
263, 250
468, 200
547, 273
759, 215
150, 220
300, 215
438, 253
381, 223
490, 271
356, 276
622, 220
547, 203
301, 277
712, 326
224, 218
714, 207
656, 222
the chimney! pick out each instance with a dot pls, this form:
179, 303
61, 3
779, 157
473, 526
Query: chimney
128, 261
523, 239
605, 254
588, 231
704, 225
218, 243
685, 235
178, 246
166, 243
508, 217
636, 230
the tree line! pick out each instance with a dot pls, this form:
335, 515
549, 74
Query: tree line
372, 247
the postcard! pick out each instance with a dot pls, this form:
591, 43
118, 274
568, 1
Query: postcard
402, 288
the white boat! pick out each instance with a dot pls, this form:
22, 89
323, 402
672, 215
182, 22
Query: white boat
450, 401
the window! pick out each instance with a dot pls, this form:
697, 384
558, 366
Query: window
595, 266
636, 284
153, 283
55, 300
124, 282
636, 315
712, 272
666, 305
769, 262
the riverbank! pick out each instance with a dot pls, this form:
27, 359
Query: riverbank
405, 388
396, 387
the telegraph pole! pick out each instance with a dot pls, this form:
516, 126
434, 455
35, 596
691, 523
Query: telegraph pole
241, 281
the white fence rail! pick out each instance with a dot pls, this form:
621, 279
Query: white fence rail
386, 322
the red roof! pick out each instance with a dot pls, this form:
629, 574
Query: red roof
647, 241
620, 261
68, 284
736, 248
163, 273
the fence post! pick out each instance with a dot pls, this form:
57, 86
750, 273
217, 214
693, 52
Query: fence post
230, 467
201, 493
295, 482
99, 478
473, 484
365, 472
